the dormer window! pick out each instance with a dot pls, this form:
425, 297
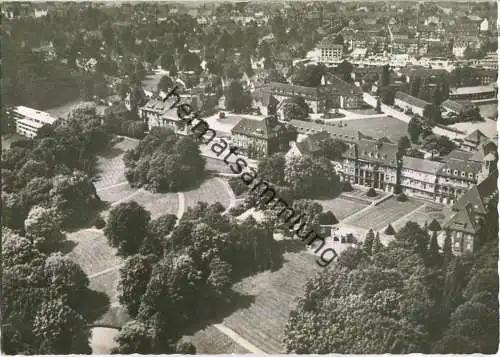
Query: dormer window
455, 172
471, 175
448, 171
463, 174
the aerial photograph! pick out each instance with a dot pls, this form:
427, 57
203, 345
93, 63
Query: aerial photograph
249, 177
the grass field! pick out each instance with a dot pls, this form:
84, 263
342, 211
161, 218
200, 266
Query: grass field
387, 212
210, 191
427, 213
262, 323
212, 341
341, 207
111, 166
392, 128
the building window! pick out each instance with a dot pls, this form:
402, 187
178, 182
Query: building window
455, 172
463, 174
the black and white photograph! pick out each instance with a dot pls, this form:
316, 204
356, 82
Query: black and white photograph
249, 177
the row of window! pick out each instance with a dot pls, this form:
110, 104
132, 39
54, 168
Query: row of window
462, 174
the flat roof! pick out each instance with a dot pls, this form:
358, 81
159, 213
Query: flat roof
31, 123
471, 90
31, 113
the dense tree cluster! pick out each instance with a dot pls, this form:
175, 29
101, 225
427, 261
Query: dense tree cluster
164, 162
54, 171
42, 300
197, 260
404, 298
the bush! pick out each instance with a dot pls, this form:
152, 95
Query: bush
371, 192
319, 121
328, 218
222, 115
238, 210
99, 222
389, 230
238, 186
402, 198
346, 186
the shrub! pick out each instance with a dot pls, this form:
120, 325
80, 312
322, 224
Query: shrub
238, 210
238, 186
389, 230
402, 197
222, 115
371, 192
346, 186
99, 222
328, 218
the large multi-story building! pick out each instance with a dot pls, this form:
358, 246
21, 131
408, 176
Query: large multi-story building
29, 120
257, 138
372, 163
330, 51
470, 212
157, 113
418, 177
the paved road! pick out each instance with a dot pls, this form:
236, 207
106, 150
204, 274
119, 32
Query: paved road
406, 118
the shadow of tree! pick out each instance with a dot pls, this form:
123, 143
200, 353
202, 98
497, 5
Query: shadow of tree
96, 305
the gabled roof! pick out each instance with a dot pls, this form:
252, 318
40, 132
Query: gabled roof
405, 97
374, 151
463, 221
456, 105
476, 136
337, 132
421, 165
336, 85
460, 166
258, 128
311, 144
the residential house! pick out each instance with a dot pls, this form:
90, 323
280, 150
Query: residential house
257, 138
158, 113
311, 145
341, 94
456, 106
409, 103
418, 177
29, 120
372, 163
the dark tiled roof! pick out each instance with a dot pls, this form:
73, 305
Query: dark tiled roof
337, 132
289, 90
257, 128
479, 195
476, 136
311, 144
459, 155
456, 105
422, 165
463, 221
336, 85
460, 166
374, 151
405, 97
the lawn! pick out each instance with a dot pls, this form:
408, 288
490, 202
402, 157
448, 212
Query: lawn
262, 323
8, 139
380, 127
427, 213
341, 207
210, 191
365, 111
389, 211
212, 341
111, 166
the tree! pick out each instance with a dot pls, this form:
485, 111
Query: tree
414, 129
434, 256
414, 238
135, 337
237, 99
311, 177
378, 108
333, 149
344, 70
377, 244
166, 84
127, 227
434, 226
134, 277
389, 230
385, 77
403, 144
220, 276
308, 76
185, 348
43, 225
447, 249
296, 108
328, 218
432, 114
368, 242
61, 329
272, 169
